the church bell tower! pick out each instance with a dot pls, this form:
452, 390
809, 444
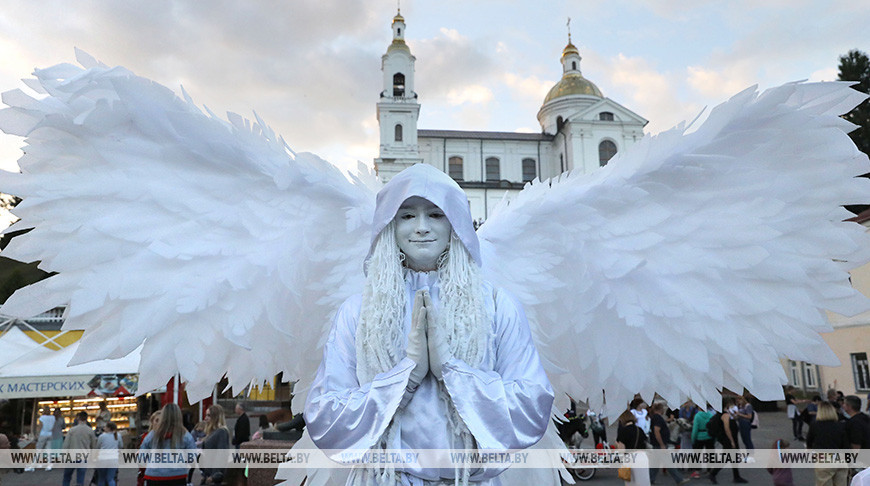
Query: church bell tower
398, 108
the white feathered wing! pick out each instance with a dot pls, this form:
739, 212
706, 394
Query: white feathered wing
693, 261
207, 240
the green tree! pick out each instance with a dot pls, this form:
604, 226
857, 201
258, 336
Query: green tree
855, 66
15, 274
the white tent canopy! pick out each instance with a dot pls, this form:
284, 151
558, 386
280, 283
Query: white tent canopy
29, 369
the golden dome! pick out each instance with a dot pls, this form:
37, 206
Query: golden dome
570, 49
398, 18
573, 84
399, 45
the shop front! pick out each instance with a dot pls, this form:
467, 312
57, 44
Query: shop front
33, 377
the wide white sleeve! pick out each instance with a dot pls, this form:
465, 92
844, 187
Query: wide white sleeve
339, 412
509, 407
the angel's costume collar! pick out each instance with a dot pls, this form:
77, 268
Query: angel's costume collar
418, 280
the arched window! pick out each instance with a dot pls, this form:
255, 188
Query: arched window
399, 85
560, 122
493, 171
398, 132
574, 65
606, 151
454, 168
605, 116
529, 170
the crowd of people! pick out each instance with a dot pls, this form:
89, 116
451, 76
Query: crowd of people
168, 428
836, 423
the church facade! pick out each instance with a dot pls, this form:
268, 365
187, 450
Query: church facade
581, 129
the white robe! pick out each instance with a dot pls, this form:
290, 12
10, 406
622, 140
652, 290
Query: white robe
506, 403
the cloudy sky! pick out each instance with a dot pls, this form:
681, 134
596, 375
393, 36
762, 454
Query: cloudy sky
311, 68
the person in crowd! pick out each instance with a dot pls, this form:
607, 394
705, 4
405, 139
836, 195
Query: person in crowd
217, 437
660, 437
169, 434
638, 408
826, 432
80, 436
242, 430
596, 423
745, 414
727, 437
263, 426
187, 421
153, 422
44, 428
631, 437
108, 442
57, 430
687, 413
835, 398
198, 434
701, 438
104, 416
813, 407
857, 423
793, 413
781, 475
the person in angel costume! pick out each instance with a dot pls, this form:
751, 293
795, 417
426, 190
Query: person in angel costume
726, 241
430, 356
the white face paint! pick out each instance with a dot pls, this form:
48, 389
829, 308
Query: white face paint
422, 233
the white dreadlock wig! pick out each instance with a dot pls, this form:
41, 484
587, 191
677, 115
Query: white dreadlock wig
382, 317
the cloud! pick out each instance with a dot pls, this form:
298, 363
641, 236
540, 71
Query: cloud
530, 87
452, 63
473, 94
311, 69
653, 95
716, 84
827, 74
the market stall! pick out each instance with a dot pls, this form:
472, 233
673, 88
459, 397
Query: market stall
29, 370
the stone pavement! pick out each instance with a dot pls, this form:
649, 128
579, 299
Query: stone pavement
774, 425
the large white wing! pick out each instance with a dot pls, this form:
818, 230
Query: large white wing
693, 261
206, 239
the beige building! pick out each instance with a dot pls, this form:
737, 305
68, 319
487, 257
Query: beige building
850, 341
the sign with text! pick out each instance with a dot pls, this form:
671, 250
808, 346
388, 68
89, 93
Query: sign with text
68, 386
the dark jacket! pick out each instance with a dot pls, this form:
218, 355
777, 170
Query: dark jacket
858, 430
219, 439
827, 434
632, 437
242, 431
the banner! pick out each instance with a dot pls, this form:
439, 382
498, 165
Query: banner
415, 460
68, 386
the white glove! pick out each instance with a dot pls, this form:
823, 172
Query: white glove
439, 349
417, 349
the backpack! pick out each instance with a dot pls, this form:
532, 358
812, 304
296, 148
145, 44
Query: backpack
714, 426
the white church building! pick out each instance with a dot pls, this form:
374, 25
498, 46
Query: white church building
580, 129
